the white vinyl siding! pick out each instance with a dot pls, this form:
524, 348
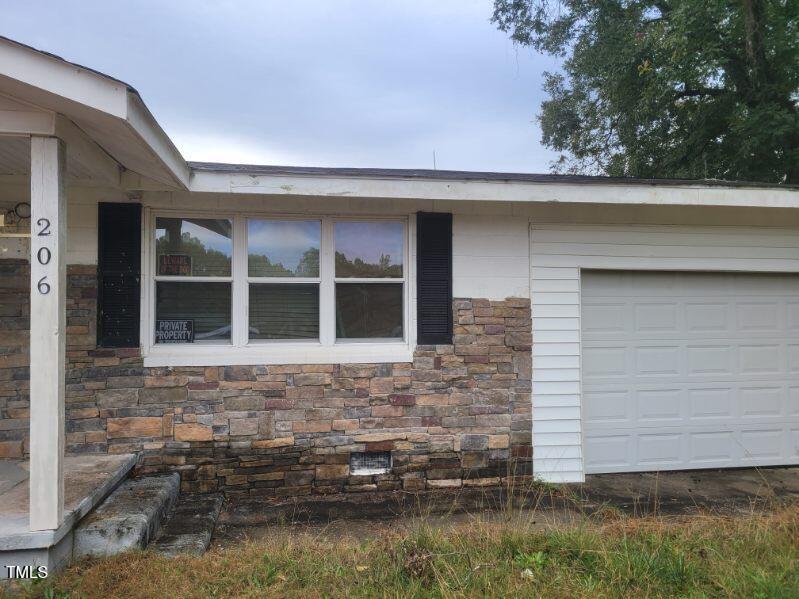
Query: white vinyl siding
558, 254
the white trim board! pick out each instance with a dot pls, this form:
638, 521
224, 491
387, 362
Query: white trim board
381, 188
558, 253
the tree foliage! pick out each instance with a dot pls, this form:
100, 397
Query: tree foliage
667, 88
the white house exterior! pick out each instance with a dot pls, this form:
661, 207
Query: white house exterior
597, 325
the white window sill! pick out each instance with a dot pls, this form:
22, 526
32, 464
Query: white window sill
277, 353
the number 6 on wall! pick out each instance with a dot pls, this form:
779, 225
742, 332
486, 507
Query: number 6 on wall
43, 286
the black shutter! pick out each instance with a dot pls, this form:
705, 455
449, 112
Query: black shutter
434, 278
119, 266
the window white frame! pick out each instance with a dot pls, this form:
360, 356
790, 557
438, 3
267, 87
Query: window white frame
156, 278
240, 351
244, 231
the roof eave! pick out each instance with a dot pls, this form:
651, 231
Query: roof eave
109, 110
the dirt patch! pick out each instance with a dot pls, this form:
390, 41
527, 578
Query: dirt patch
535, 506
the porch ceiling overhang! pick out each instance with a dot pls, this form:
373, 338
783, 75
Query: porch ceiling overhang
108, 111
87, 163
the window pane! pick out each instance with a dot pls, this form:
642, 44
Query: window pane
283, 248
369, 249
366, 310
286, 311
192, 312
196, 247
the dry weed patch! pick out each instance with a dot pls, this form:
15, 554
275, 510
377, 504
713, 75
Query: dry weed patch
754, 556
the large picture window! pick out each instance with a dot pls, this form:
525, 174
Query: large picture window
252, 282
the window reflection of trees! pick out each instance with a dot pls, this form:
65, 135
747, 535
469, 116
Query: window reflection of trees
205, 261
359, 268
308, 266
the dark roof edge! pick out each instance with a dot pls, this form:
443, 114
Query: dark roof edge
443, 175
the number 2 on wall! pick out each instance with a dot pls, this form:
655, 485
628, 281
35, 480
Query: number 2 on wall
44, 255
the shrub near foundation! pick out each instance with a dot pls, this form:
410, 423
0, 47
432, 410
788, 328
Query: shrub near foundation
752, 556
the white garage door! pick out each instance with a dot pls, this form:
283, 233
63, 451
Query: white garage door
689, 370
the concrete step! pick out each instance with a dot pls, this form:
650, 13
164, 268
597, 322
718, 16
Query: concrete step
189, 527
129, 518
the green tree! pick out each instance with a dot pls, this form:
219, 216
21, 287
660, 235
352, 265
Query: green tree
667, 88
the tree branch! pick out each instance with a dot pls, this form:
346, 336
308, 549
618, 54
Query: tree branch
701, 91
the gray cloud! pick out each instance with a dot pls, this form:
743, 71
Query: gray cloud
344, 83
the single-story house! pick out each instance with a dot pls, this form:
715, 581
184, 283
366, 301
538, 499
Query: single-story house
277, 331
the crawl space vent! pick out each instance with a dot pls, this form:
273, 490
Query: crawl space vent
371, 462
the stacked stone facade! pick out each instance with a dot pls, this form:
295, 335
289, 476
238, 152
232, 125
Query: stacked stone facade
14, 323
457, 415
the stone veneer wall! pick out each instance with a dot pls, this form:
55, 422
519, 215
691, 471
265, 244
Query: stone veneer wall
458, 415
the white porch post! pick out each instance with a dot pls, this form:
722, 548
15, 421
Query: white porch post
47, 333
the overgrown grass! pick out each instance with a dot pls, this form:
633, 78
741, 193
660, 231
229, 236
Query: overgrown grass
752, 556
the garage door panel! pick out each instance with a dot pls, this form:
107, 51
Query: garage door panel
660, 450
704, 317
793, 401
660, 406
657, 360
655, 316
605, 361
708, 404
761, 443
689, 370
793, 443
792, 316
761, 402
603, 318
713, 360
760, 359
613, 406
608, 453
712, 448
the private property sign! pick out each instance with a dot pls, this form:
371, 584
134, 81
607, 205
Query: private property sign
174, 331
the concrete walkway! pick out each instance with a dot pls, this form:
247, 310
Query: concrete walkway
689, 491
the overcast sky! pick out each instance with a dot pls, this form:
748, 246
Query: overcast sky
381, 83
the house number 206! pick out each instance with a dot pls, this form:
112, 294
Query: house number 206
44, 255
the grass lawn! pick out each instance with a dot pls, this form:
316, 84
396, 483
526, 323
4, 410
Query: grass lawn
751, 556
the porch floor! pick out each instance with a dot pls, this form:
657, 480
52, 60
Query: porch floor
88, 479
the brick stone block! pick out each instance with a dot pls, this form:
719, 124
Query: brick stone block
243, 427
381, 385
11, 449
498, 441
239, 373
312, 426
244, 403
168, 395
474, 442
312, 378
474, 459
386, 411
131, 427
273, 443
396, 399
193, 432
332, 471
